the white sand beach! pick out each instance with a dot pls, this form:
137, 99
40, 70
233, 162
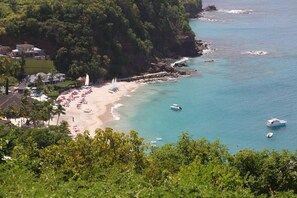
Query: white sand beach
96, 110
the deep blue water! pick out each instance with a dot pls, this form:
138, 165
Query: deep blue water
231, 98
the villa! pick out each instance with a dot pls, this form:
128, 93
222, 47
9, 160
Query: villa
47, 78
29, 51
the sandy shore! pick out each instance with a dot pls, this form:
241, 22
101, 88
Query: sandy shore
100, 101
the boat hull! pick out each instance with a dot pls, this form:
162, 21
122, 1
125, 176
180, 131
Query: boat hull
269, 135
175, 108
276, 122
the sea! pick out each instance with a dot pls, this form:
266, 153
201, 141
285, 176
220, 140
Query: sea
248, 75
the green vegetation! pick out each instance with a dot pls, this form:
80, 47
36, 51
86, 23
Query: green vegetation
98, 37
11, 69
35, 66
45, 162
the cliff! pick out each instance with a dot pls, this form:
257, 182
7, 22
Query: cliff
193, 7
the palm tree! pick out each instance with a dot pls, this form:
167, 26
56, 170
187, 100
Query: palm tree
5, 63
22, 63
39, 82
60, 110
48, 106
24, 108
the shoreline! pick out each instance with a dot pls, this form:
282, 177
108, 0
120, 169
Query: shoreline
99, 101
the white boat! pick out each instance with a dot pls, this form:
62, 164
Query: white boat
269, 135
153, 142
274, 122
113, 87
159, 139
175, 107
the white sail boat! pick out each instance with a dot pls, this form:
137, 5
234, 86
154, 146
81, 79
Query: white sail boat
113, 87
87, 82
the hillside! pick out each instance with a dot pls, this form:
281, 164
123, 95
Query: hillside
45, 162
103, 38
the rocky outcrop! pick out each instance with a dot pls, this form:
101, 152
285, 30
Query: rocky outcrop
200, 46
210, 8
160, 67
180, 65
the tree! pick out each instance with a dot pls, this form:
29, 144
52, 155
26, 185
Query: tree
39, 82
48, 109
22, 63
6, 86
58, 111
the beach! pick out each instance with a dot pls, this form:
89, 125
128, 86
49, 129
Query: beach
95, 111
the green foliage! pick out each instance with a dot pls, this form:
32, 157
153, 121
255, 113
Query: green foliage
210, 179
47, 163
192, 7
66, 85
116, 37
268, 171
53, 94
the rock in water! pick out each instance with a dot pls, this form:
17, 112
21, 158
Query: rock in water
210, 8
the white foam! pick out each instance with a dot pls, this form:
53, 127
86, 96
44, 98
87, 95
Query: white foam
255, 52
207, 19
239, 11
184, 59
208, 50
113, 111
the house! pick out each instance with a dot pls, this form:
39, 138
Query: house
47, 78
29, 51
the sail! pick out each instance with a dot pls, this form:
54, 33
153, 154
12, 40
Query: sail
87, 82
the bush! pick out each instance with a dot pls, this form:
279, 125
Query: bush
53, 94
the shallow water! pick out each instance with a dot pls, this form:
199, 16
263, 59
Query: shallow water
231, 98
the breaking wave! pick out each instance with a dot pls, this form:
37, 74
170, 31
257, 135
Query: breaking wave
255, 52
115, 114
236, 11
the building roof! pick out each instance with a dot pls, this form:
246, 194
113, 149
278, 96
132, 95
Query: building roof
36, 49
14, 101
24, 46
10, 100
22, 85
47, 77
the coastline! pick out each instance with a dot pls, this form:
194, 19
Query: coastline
100, 101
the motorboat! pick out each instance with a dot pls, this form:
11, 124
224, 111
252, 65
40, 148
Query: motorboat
274, 122
175, 107
159, 139
269, 135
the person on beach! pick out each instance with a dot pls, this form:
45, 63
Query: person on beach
72, 118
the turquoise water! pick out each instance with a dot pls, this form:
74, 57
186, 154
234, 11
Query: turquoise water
231, 98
